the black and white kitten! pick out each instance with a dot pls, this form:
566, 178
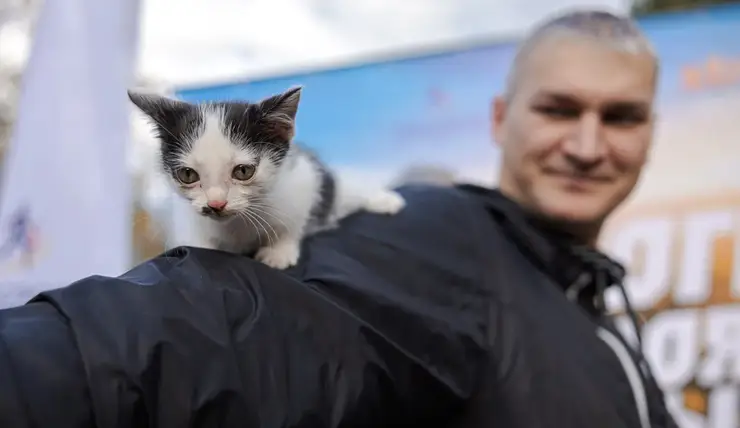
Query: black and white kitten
253, 189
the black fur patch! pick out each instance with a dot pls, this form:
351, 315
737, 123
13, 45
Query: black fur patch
267, 125
248, 125
176, 125
321, 212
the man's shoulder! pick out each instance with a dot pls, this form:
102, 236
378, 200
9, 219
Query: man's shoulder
432, 196
427, 206
410, 275
441, 229
448, 221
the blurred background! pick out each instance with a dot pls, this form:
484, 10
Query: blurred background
393, 91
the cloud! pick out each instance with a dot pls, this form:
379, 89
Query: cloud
192, 39
14, 44
184, 41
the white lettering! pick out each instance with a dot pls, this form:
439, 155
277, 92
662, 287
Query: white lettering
695, 345
700, 232
685, 418
645, 247
722, 407
722, 334
735, 275
671, 341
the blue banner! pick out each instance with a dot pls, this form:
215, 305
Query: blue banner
434, 109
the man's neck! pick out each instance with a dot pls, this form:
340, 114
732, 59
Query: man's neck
580, 233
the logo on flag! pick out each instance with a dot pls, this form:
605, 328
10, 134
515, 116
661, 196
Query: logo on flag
21, 246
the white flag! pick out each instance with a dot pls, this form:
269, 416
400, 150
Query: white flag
65, 202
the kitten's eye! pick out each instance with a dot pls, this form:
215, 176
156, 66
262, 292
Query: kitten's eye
243, 172
187, 175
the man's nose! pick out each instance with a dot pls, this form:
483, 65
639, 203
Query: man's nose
586, 145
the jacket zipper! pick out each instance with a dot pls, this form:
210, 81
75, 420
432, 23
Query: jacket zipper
631, 370
620, 350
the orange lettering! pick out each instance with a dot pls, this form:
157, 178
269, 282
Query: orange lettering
714, 72
692, 79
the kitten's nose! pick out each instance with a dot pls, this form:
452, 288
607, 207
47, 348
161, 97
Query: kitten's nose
217, 205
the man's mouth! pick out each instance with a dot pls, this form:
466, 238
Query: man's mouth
581, 178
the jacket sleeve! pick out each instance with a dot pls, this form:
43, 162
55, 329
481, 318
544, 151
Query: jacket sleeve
381, 324
42, 378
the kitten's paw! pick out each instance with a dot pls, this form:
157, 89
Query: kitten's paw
282, 255
385, 202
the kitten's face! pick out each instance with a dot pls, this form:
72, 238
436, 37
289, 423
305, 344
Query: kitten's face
223, 157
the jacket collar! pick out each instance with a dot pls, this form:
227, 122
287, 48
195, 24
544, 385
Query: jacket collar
554, 252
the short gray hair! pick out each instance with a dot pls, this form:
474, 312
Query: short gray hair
617, 32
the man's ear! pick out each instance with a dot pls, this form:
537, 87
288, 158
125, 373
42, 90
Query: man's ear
499, 110
653, 125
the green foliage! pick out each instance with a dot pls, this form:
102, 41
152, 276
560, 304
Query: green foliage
646, 7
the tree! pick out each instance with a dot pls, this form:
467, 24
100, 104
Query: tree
646, 7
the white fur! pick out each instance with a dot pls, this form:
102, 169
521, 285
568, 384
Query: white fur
275, 224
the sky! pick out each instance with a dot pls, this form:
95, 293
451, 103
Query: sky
197, 41
186, 42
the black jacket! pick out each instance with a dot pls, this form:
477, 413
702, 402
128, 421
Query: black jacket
451, 314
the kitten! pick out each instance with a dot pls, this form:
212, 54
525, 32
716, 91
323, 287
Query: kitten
253, 189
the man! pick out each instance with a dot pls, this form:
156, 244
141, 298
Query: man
471, 308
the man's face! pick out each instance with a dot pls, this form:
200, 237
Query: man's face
576, 131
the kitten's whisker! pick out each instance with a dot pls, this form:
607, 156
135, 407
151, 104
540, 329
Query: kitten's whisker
259, 221
244, 217
258, 216
273, 211
275, 235
267, 203
271, 214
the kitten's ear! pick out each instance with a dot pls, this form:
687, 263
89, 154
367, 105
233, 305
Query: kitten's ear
278, 115
163, 111
285, 104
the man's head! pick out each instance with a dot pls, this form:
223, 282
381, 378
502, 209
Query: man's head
576, 120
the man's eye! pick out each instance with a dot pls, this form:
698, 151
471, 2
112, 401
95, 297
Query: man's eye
623, 119
555, 112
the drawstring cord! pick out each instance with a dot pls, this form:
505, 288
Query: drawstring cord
606, 273
602, 282
610, 273
631, 313
641, 360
